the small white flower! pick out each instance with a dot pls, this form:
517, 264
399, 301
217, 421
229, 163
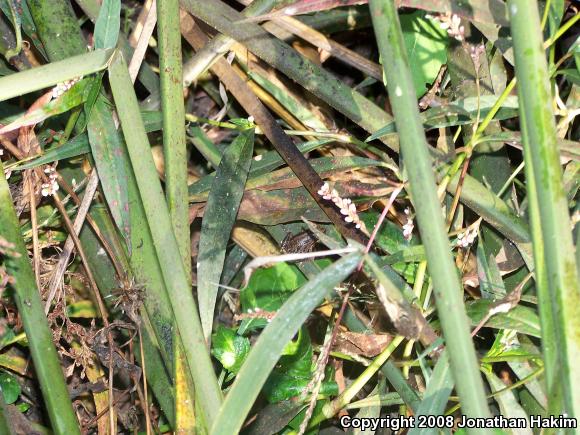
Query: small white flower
345, 205
409, 225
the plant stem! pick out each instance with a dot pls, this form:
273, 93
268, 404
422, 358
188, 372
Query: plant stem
415, 152
27, 297
540, 146
174, 274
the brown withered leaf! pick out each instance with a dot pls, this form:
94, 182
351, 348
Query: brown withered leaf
368, 345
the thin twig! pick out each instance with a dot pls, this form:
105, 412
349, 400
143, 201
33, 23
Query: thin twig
69, 244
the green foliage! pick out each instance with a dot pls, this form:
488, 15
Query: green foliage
230, 348
108, 24
10, 387
426, 44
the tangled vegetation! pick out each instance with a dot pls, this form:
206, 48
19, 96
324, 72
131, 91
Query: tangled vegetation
288, 217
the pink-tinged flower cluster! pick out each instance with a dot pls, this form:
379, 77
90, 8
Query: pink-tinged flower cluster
466, 239
61, 88
409, 225
51, 187
347, 208
451, 23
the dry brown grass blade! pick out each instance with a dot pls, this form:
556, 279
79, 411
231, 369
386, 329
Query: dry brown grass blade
320, 41
141, 36
285, 147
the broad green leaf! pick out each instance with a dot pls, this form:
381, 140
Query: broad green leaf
294, 371
10, 387
267, 350
268, 289
106, 146
218, 220
108, 24
230, 348
426, 44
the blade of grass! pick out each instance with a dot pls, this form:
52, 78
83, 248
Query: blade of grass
108, 24
57, 72
179, 290
273, 339
175, 156
105, 148
280, 55
414, 146
27, 297
55, 20
218, 220
174, 146
436, 395
541, 147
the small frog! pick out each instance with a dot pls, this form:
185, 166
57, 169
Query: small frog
299, 243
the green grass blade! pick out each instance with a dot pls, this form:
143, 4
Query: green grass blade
436, 395
554, 220
272, 341
30, 307
58, 28
218, 220
174, 145
106, 148
174, 274
108, 24
448, 290
57, 72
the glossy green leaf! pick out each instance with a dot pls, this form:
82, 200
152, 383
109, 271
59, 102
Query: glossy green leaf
521, 318
229, 348
268, 289
218, 220
426, 44
10, 388
267, 350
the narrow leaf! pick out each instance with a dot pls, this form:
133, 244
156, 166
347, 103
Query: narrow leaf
49, 75
106, 146
269, 347
108, 24
218, 220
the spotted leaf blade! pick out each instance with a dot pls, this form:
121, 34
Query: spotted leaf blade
218, 220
